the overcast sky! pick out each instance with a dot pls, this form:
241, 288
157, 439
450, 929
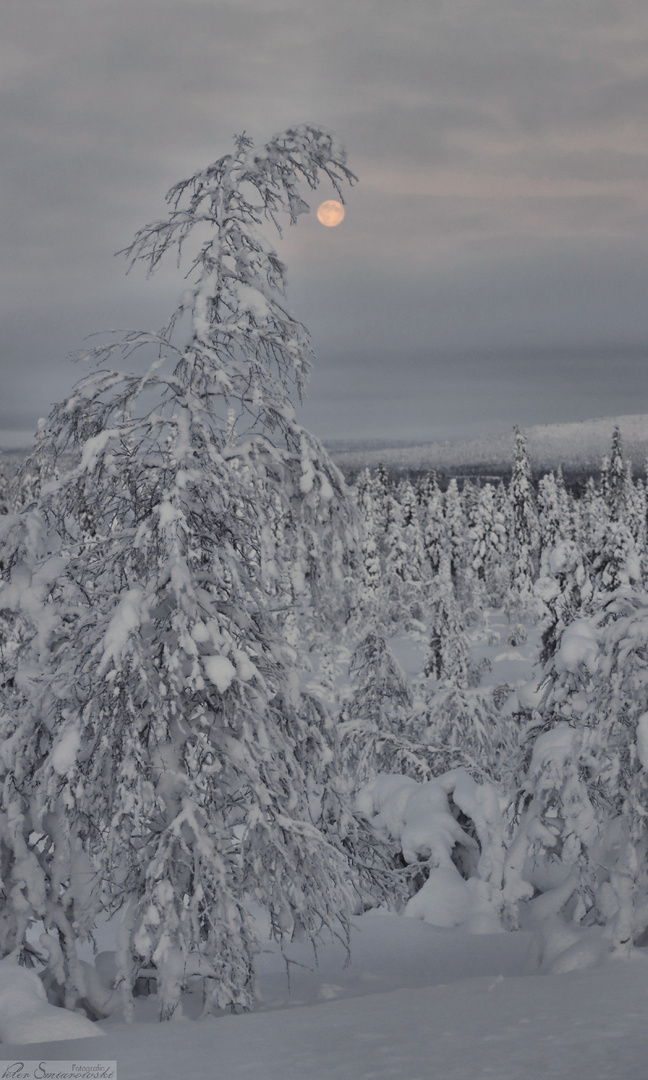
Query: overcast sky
492, 265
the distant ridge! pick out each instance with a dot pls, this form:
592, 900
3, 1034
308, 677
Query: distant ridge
578, 447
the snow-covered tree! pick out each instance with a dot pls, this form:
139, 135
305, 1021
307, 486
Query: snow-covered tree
448, 659
435, 537
178, 774
565, 588
456, 529
412, 534
5, 483
554, 517
425, 487
524, 542
635, 508
563, 584
587, 784
616, 560
378, 729
615, 492
463, 726
382, 487
370, 573
488, 546
593, 516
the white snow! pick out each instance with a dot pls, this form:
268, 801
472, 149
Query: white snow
416, 1003
419, 817
578, 645
220, 671
26, 1016
93, 447
530, 694
66, 748
124, 622
642, 739
552, 746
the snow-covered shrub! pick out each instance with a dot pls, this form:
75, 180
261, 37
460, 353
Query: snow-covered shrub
27, 1017
449, 831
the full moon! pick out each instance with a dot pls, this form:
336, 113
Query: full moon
330, 213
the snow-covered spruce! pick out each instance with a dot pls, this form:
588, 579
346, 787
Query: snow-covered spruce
521, 601
586, 788
176, 774
378, 729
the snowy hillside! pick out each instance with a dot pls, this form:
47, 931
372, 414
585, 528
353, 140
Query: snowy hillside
578, 447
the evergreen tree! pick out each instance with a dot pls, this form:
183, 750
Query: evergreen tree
615, 488
425, 488
593, 516
448, 658
604, 480
178, 775
635, 508
362, 487
435, 537
554, 518
616, 561
378, 729
488, 541
565, 588
382, 499
563, 583
463, 727
412, 539
524, 548
456, 529
587, 786
370, 585
5, 502
394, 547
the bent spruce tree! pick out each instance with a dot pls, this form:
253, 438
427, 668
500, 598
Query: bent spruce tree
159, 761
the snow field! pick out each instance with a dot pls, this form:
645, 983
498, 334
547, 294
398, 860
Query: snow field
416, 1003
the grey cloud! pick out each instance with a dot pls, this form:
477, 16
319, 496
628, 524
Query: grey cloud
106, 104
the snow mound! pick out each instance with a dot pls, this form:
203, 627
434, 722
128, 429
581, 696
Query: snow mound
424, 819
578, 645
220, 671
27, 1017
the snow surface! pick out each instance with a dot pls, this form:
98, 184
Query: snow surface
26, 1015
578, 646
416, 1002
